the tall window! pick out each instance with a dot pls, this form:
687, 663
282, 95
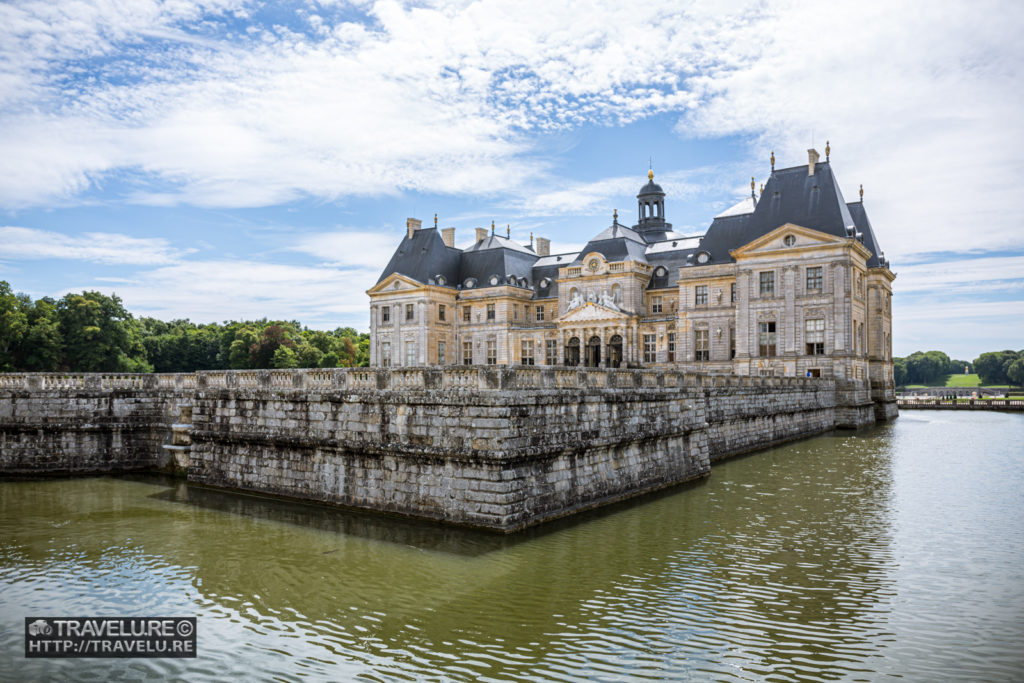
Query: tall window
440, 353
385, 315
650, 349
410, 353
671, 347
492, 352
551, 352
515, 311
732, 343
732, 292
814, 279
540, 314
385, 354
700, 295
467, 314
814, 336
656, 304
440, 312
527, 346
467, 353
490, 311
702, 350
768, 283
766, 339
410, 312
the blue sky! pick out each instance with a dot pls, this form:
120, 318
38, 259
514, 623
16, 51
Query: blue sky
230, 159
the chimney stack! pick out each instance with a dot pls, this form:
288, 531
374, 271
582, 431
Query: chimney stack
412, 225
812, 159
448, 237
543, 246
481, 234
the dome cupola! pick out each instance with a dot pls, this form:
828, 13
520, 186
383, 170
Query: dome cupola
651, 207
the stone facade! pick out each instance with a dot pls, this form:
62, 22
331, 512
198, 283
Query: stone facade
774, 288
499, 448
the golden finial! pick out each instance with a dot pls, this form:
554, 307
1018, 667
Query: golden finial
761, 191
492, 227
828, 150
508, 230
531, 238
615, 216
435, 219
650, 174
773, 159
752, 185
862, 192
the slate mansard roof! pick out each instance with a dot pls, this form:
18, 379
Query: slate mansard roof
790, 196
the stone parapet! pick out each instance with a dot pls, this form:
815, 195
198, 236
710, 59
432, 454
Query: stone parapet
495, 447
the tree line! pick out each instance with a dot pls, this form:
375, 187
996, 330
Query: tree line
932, 367
92, 332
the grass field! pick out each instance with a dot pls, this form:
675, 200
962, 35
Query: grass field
959, 381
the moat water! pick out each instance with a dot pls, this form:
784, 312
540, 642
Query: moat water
893, 552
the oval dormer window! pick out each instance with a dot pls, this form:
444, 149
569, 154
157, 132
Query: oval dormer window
703, 257
544, 283
660, 271
522, 282
494, 280
470, 283
789, 240
441, 280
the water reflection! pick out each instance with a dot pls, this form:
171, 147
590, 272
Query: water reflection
788, 564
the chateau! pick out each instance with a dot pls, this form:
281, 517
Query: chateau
790, 282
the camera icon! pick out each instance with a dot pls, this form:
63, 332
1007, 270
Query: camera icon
40, 627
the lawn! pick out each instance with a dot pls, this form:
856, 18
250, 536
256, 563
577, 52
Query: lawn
959, 381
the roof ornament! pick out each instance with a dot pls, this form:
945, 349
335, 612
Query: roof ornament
615, 216
773, 161
531, 238
761, 191
862, 193
492, 228
650, 174
828, 149
508, 230
752, 184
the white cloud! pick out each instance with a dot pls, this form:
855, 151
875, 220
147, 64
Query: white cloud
349, 248
213, 291
983, 274
98, 247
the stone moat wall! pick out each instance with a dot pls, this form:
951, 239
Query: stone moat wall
501, 448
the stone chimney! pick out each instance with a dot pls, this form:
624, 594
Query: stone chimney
481, 234
812, 159
448, 237
543, 247
412, 225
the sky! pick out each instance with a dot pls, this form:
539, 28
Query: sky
235, 159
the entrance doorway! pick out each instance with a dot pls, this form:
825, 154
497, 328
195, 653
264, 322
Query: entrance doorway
594, 352
615, 352
572, 352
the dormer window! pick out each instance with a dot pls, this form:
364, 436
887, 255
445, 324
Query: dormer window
494, 280
703, 257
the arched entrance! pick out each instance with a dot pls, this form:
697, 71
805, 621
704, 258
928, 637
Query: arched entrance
572, 352
615, 351
594, 352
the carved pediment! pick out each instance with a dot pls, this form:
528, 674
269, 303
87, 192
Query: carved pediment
788, 236
592, 311
394, 283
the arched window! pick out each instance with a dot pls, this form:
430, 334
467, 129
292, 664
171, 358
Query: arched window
617, 294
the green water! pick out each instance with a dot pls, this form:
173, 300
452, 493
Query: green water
891, 552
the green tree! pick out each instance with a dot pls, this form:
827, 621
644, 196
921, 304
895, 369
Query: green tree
992, 366
308, 356
42, 345
99, 334
284, 357
272, 337
1016, 371
927, 367
13, 326
899, 369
